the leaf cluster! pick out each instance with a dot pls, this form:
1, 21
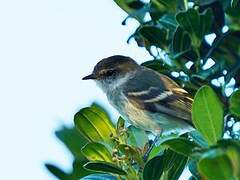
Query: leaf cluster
196, 43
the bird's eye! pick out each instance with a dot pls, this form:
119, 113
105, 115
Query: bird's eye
110, 72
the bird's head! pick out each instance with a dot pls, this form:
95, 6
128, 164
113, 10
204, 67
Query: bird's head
113, 71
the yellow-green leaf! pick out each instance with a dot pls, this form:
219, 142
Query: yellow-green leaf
96, 151
94, 125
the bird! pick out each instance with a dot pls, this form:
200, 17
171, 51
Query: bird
147, 99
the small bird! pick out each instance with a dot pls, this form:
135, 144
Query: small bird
145, 98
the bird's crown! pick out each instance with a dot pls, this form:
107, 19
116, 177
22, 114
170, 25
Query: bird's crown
113, 66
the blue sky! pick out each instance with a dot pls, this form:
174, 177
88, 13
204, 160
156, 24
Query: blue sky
46, 47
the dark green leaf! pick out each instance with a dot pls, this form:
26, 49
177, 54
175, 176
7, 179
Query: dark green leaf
169, 22
153, 169
157, 65
181, 41
101, 166
60, 174
78, 171
176, 164
160, 7
190, 22
155, 36
180, 145
96, 152
234, 104
207, 114
218, 14
205, 23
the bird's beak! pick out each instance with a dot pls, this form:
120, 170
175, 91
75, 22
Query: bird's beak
91, 76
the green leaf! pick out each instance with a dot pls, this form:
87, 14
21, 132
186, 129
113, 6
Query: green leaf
94, 126
96, 152
60, 174
181, 41
169, 22
72, 139
232, 149
78, 171
155, 36
207, 114
133, 8
216, 165
190, 22
197, 25
156, 150
234, 103
180, 145
174, 165
206, 20
153, 169
101, 166
137, 137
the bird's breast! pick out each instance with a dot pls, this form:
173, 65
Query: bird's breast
131, 113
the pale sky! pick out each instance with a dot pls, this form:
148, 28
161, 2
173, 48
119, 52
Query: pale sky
46, 47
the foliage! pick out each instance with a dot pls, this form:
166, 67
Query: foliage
177, 34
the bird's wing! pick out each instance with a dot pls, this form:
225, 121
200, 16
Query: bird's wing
159, 94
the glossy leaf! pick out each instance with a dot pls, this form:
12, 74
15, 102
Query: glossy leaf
93, 125
180, 145
154, 168
197, 25
96, 152
216, 165
207, 114
174, 165
101, 166
235, 103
